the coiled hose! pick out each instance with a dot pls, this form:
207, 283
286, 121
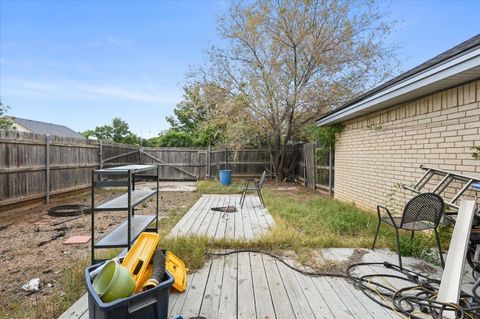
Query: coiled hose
158, 271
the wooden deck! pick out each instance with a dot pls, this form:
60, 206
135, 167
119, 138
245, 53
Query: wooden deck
251, 285
250, 222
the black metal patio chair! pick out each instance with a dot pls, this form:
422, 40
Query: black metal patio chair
257, 186
422, 212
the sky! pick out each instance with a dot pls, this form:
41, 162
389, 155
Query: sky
82, 63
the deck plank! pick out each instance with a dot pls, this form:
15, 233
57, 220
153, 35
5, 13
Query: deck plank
230, 220
263, 216
246, 299
181, 298
353, 304
213, 289
196, 292
212, 228
256, 228
316, 301
188, 215
78, 309
335, 302
263, 300
281, 301
222, 222
375, 310
247, 224
228, 299
209, 217
238, 216
295, 292
192, 227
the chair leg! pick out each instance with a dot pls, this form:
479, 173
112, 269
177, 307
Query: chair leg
261, 197
411, 243
398, 249
376, 234
242, 198
437, 238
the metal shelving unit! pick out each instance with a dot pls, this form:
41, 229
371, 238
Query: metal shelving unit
127, 232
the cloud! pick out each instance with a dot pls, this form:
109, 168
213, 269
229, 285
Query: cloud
104, 42
126, 94
87, 91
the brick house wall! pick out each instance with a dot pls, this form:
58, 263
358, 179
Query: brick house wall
378, 151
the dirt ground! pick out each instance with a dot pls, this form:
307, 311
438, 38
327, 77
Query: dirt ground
21, 257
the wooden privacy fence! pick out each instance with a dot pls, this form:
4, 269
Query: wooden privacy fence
34, 166
315, 167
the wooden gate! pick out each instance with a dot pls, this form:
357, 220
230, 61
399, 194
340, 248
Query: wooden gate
315, 167
179, 164
310, 171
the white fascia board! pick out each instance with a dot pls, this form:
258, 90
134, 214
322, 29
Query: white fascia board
428, 77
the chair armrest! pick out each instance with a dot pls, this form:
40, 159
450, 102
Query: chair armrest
381, 207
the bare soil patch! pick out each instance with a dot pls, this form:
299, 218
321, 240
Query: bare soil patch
28, 251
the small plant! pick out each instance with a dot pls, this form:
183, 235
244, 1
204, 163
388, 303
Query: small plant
476, 152
5, 122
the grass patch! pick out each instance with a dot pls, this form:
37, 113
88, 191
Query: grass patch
306, 220
214, 187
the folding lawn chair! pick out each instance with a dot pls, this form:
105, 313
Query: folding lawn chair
257, 186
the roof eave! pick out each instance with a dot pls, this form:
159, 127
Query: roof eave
454, 72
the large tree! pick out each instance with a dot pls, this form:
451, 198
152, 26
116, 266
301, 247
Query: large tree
195, 115
291, 61
117, 132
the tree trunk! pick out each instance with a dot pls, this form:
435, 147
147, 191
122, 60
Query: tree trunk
278, 166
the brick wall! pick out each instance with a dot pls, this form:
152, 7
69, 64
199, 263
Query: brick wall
381, 150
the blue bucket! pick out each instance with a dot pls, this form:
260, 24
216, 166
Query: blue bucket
225, 177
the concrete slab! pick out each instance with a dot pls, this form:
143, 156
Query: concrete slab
77, 240
169, 186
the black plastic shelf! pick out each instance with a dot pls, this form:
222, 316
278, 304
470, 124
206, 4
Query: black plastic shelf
127, 202
118, 237
121, 202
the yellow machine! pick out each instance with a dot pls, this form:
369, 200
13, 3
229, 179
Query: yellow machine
176, 267
139, 256
139, 262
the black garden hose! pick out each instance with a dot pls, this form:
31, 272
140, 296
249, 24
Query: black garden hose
414, 301
257, 251
69, 210
158, 271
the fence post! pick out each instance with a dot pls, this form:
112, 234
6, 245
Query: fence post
305, 181
47, 169
330, 171
226, 158
209, 175
314, 168
271, 163
100, 155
